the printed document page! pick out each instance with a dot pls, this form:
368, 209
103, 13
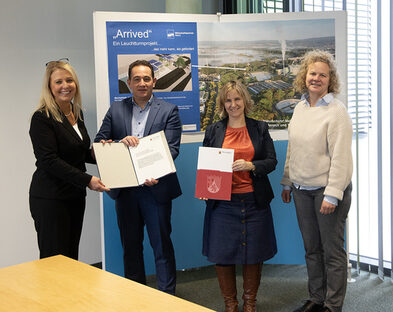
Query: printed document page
217, 159
152, 157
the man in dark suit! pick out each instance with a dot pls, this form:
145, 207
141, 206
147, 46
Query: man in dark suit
150, 204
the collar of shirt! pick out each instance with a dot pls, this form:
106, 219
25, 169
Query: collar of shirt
323, 101
146, 106
139, 118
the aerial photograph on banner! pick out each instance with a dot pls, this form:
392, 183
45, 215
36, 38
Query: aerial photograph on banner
172, 71
265, 56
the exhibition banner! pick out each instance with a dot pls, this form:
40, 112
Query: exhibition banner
193, 56
171, 49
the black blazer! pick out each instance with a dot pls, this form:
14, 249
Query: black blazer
61, 156
264, 158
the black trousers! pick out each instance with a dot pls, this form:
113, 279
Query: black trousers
58, 224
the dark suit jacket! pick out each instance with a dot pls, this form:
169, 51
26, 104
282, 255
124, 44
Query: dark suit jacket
61, 156
162, 116
264, 159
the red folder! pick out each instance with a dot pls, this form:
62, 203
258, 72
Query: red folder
214, 173
213, 184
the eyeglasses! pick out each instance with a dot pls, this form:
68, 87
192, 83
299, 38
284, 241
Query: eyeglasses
64, 60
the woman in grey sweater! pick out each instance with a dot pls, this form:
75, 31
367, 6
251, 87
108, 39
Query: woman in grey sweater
318, 172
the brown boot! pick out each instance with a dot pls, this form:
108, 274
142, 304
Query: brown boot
227, 280
251, 280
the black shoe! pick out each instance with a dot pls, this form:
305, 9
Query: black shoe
325, 309
310, 306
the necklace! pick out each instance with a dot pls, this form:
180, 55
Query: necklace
69, 112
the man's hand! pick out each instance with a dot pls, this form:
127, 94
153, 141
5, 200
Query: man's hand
150, 182
106, 141
130, 140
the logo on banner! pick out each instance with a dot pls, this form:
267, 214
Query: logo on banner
170, 34
213, 183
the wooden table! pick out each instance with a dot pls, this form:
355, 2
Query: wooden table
61, 284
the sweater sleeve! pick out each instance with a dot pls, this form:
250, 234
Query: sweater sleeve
339, 140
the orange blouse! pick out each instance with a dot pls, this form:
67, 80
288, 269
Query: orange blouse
239, 140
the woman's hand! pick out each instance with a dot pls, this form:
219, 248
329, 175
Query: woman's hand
242, 165
96, 184
327, 208
286, 196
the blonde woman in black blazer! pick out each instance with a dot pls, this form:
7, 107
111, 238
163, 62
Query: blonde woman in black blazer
61, 146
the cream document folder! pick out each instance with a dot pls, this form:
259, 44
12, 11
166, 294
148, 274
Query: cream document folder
122, 166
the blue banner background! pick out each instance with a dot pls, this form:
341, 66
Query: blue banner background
160, 42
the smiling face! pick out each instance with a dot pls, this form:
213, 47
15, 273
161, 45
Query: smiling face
141, 84
317, 79
62, 86
234, 105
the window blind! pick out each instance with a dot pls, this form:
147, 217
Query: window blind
359, 56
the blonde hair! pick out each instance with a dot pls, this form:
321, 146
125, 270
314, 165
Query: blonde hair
239, 88
311, 58
47, 102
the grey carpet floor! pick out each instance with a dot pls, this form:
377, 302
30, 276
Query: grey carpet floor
283, 287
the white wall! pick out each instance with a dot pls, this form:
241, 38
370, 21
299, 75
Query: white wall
31, 34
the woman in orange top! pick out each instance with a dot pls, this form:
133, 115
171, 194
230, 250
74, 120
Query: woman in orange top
240, 231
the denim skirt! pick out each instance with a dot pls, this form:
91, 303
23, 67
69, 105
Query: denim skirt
238, 232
